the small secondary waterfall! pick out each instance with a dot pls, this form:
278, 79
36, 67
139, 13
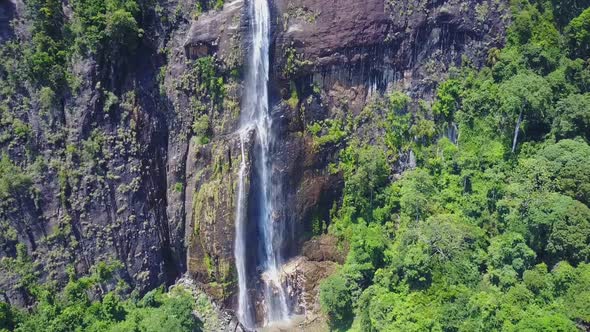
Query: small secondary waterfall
255, 116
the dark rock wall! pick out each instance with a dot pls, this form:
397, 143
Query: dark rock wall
412, 43
160, 197
7, 14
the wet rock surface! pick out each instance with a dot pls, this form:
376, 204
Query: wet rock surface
302, 276
212, 177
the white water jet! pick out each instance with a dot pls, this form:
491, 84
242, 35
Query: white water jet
244, 308
255, 116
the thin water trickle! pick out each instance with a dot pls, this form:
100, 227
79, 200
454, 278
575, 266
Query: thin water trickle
255, 116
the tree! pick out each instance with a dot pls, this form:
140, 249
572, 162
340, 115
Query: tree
108, 27
567, 163
397, 126
577, 295
416, 193
572, 117
570, 231
7, 319
122, 31
525, 97
365, 173
508, 257
336, 301
565, 10
578, 34
545, 322
448, 99
557, 227
391, 311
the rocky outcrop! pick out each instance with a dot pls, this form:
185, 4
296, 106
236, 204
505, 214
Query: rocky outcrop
218, 32
213, 317
323, 30
324, 248
211, 193
302, 276
410, 44
203, 167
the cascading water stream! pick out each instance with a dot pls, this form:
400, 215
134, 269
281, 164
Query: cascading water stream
256, 117
244, 307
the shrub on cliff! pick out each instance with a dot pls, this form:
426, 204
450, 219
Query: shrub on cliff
107, 26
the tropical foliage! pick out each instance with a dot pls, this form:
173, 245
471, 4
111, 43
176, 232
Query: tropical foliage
490, 230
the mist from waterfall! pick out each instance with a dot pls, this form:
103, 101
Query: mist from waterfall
255, 116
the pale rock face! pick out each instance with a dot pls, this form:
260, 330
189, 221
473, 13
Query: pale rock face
301, 277
216, 32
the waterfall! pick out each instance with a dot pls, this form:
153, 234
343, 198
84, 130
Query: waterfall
244, 307
255, 116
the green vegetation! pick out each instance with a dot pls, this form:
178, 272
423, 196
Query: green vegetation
293, 100
106, 25
106, 28
490, 231
201, 128
205, 5
294, 62
470, 214
74, 310
206, 87
56, 170
14, 183
328, 131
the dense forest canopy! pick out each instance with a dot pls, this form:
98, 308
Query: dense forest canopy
490, 231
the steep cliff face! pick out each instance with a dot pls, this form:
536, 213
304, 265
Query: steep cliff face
139, 162
332, 58
91, 159
203, 169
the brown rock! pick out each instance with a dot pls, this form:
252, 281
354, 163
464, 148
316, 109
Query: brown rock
324, 248
321, 28
216, 32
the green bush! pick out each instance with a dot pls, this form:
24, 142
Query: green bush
336, 301
578, 34
73, 310
201, 128
109, 27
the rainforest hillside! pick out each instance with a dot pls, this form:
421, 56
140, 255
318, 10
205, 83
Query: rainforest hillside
433, 161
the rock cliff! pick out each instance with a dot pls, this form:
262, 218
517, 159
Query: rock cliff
138, 163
